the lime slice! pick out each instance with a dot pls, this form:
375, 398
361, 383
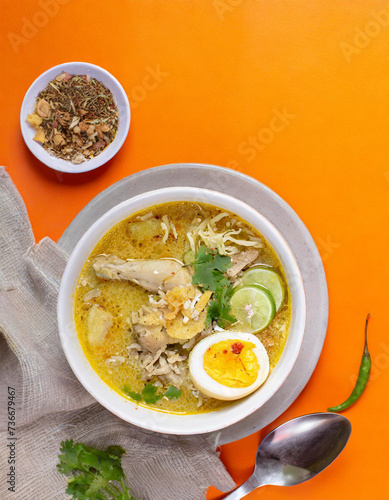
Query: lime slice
269, 278
254, 307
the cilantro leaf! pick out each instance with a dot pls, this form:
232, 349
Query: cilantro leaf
210, 269
115, 452
133, 395
173, 392
149, 394
69, 459
98, 482
94, 472
78, 486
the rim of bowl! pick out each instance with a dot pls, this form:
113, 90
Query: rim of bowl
155, 420
120, 98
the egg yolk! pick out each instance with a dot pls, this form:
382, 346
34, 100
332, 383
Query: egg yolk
232, 363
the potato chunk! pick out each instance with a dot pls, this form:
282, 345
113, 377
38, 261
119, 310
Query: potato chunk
144, 230
99, 323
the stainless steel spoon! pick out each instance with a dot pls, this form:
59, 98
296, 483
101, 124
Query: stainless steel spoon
296, 451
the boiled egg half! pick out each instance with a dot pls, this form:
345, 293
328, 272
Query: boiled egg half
228, 365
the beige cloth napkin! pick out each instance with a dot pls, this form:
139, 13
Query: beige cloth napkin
51, 405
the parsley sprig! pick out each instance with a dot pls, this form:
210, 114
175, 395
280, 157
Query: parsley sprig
97, 475
210, 269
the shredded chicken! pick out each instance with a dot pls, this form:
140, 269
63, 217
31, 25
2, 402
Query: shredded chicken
149, 360
199, 396
167, 365
150, 331
161, 323
115, 360
151, 327
242, 260
92, 294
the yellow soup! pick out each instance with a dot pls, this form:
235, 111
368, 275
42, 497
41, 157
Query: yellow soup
138, 313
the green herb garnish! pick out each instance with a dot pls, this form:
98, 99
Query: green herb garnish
173, 392
209, 275
133, 395
97, 474
209, 268
149, 393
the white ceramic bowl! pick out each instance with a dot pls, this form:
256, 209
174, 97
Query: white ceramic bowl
147, 418
28, 106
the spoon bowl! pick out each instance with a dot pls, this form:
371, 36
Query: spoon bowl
297, 451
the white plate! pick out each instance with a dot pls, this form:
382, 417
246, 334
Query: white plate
28, 107
277, 211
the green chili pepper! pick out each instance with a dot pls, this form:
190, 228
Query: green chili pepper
363, 377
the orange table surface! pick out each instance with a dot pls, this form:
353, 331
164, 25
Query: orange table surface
223, 70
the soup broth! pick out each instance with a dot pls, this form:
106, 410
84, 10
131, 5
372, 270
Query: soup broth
166, 231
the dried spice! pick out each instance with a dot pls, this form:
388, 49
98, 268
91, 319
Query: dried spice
75, 117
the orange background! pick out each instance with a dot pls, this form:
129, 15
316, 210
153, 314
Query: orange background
227, 64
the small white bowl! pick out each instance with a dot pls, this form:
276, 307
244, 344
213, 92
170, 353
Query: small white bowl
155, 420
28, 107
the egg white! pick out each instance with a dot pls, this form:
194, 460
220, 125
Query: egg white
210, 387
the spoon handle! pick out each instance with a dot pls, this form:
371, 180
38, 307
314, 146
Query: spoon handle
251, 484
